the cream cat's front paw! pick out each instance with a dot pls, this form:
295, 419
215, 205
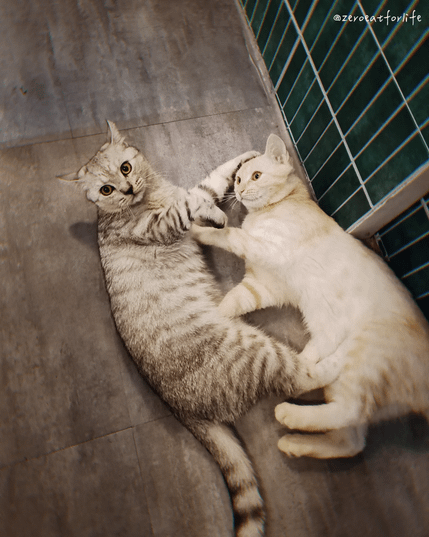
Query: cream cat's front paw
309, 354
229, 308
285, 414
202, 234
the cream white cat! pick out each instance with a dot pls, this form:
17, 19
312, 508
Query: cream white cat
352, 303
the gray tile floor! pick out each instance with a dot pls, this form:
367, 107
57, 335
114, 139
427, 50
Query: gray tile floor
86, 449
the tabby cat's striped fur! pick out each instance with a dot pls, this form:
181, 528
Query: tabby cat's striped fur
208, 369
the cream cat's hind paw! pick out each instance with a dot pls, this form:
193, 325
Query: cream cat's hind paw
293, 445
347, 442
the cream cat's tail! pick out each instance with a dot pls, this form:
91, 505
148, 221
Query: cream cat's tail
238, 473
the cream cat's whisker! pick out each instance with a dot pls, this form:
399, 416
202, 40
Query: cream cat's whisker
231, 202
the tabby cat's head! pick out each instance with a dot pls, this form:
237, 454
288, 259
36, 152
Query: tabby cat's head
266, 179
116, 177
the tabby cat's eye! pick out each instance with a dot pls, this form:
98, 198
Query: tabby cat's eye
256, 175
106, 190
126, 168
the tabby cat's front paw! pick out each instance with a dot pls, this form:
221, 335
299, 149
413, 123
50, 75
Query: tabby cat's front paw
217, 218
230, 168
248, 156
241, 159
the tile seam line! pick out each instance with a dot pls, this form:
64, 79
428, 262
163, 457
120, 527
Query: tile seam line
238, 110
411, 212
4, 147
142, 481
278, 46
421, 169
425, 207
63, 98
325, 96
392, 74
408, 245
334, 42
323, 26
271, 30
395, 152
368, 105
53, 452
286, 67
303, 100
324, 61
322, 100
346, 201
316, 143
336, 180
388, 39
263, 18
414, 271
292, 53
255, 8
381, 129
30, 459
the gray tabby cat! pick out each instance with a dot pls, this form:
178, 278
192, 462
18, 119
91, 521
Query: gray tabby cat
209, 369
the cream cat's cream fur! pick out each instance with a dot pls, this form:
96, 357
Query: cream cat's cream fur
352, 303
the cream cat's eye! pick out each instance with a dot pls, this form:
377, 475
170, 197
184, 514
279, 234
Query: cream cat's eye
126, 168
106, 190
256, 175
238, 180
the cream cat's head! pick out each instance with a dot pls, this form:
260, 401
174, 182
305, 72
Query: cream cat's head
268, 178
117, 177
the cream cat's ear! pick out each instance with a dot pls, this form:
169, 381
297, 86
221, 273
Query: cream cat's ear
276, 149
115, 136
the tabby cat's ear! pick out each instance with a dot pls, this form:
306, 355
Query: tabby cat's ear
115, 135
276, 149
73, 176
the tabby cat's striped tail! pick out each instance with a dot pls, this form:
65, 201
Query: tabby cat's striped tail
247, 504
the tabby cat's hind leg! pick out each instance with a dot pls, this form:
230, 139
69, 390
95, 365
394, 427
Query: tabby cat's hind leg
346, 442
